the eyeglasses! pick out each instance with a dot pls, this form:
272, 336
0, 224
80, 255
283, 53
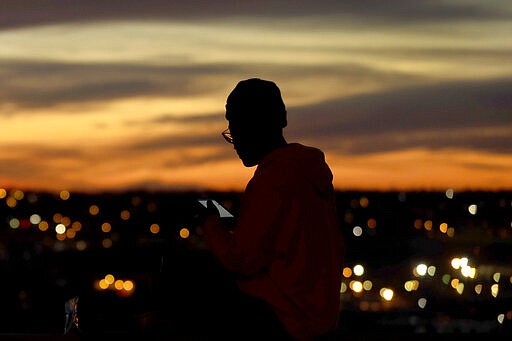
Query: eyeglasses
227, 135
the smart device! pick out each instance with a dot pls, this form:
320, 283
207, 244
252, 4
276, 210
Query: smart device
223, 212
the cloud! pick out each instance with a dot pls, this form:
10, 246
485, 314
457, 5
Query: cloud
38, 84
466, 114
46, 84
15, 13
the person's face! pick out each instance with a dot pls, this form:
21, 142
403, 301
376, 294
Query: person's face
246, 141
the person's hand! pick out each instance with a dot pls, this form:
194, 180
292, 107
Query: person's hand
205, 213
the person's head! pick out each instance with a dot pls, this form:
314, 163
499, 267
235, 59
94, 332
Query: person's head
256, 115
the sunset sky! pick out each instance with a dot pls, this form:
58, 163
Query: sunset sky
110, 95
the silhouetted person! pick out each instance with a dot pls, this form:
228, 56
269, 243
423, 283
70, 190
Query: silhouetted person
286, 248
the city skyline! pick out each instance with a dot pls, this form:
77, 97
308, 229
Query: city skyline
121, 95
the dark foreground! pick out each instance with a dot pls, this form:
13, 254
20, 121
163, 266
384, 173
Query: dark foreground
165, 283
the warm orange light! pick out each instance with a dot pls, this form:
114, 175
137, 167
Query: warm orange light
154, 228
57, 217
43, 226
347, 272
64, 195
109, 278
106, 227
77, 226
94, 210
128, 285
103, 284
118, 284
184, 233
125, 215
11, 202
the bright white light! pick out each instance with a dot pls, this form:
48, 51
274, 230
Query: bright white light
60, 228
35, 219
421, 269
465, 271
431, 271
357, 231
501, 318
449, 193
387, 294
358, 270
422, 302
456, 263
494, 290
472, 209
356, 286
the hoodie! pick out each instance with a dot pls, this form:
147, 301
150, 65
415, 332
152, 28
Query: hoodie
286, 245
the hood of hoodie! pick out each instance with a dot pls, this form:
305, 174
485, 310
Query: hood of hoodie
297, 160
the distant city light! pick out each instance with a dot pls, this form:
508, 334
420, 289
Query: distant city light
81, 245
455, 263
125, 214
472, 209
421, 269
43, 226
184, 233
60, 228
11, 202
357, 231
70, 233
358, 270
154, 228
495, 290
343, 287
501, 318
64, 195
14, 223
110, 279
347, 272
367, 285
449, 193
106, 243
386, 293
106, 227
18, 195
431, 270
460, 288
3, 193
478, 289
103, 284
411, 285
76, 226
422, 302
118, 284
94, 209
57, 217
428, 225
356, 286
496, 276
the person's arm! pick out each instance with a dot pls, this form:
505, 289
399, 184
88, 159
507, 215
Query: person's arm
249, 248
